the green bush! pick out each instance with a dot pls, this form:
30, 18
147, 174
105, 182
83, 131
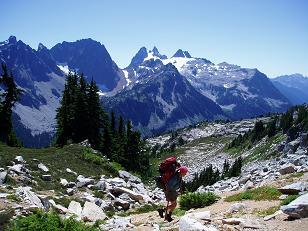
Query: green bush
90, 157
47, 222
289, 199
258, 194
197, 200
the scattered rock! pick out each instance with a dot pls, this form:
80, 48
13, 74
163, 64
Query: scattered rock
75, 208
272, 216
117, 223
249, 185
250, 224
82, 181
187, 223
59, 208
244, 179
70, 191
91, 212
19, 159
204, 215
129, 177
297, 208
124, 204
287, 168
132, 194
63, 182
43, 167
46, 177
29, 197
101, 185
232, 221
294, 188
234, 208
70, 171
71, 185
3, 176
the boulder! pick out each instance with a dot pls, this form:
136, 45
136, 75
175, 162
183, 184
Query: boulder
187, 223
70, 171
244, 179
75, 208
204, 215
3, 176
63, 182
272, 216
59, 208
133, 195
234, 208
249, 185
294, 188
101, 185
18, 169
129, 177
43, 167
116, 182
83, 181
91, 212
46, 177
297, 208
19, 159
286, 169
124, 204
29, 197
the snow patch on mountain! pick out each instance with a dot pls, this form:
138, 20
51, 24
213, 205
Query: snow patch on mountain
64, 68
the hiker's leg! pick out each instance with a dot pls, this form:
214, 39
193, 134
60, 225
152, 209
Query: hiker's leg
171, 207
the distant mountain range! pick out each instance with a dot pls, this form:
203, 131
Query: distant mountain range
156, 92
294, 87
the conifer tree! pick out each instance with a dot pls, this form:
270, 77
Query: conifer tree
10, 97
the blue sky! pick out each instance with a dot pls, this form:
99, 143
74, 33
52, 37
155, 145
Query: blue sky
271, 35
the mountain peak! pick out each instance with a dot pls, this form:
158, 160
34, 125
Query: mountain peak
12, 39
181, 53
41, 47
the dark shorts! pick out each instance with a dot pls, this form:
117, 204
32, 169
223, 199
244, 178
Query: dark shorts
171, 195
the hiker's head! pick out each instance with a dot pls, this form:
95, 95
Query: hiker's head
183, 170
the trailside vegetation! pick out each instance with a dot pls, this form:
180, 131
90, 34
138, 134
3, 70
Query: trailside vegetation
291, 123
8, 97
81, 116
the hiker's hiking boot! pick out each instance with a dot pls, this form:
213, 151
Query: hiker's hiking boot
168, 217
161, 212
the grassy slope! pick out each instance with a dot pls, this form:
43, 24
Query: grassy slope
57, 160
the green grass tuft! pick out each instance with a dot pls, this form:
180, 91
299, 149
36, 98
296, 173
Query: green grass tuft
289, 199
258, 194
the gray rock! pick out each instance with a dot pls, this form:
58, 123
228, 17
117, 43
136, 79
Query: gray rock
63, 182
232, 221
3, 176
249, 185
70, 191
91, 212
287, 168
46, 177
71, 185
124, 204
82, 181
29, 197
59, 208
294, 188
204, 215
272, 216
234, 208
297, 208
244, 179
43, 167
70, 171
187, 223
18, 169
101, 185
129, 177
250, 224
117, 223
75, 208
133, 195
19, 159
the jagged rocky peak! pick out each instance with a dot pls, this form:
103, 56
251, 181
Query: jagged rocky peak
182, 54
12, 39
157, 54
144, 54
41, 47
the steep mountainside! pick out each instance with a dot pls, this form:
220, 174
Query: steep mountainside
161, 100
241, 92
91, 58
37, 74
294, 87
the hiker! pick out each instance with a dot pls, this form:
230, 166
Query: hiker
171, 189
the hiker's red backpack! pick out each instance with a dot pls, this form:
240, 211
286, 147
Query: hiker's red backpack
167, 168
